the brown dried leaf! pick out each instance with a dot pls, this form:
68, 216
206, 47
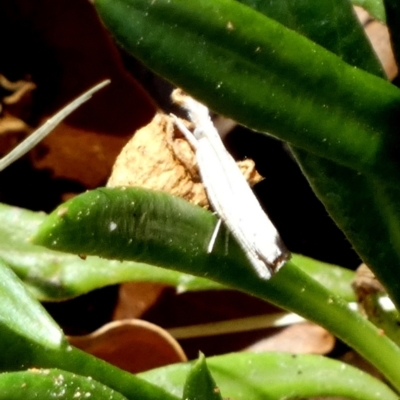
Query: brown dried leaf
135, 298
14, 107
12, 131
20, 97
154, 159
133, 345
304, 338
77, 154
66, 51
159, 158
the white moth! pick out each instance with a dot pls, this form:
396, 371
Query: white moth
229, 193
33, 139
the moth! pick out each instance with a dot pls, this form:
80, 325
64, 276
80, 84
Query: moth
33, 139
229, 193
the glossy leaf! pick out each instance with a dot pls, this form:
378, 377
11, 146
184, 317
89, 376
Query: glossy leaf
247, 376
366, 212
336, 279
29, 338
153, 227
363, 207
46, 384
20, 354
341, 33
51, 275
22, 318
54, 276
199, 384
245, 65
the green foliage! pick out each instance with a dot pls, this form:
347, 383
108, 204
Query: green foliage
31, 339
199, 384
302, 71
47, 384
244, 376
54, 276
292, 88
166, 231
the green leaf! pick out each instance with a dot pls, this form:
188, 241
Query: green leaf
46, 384
341, 33
247, 66
288, 83
21, 354
365, 211
154, 227
29, 338
52, 275
22, 317
336, 279
199, 384
361, 206
247, 376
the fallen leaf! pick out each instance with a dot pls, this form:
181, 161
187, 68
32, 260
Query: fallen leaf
133, 345
135, 298
66, 50
303, 338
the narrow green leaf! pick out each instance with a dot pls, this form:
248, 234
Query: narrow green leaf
362, 207
199, 384
247, 376
341, 33
20, 354
336, 279
23, 317
220, 69
54, 276
250, 67
29, 338
163, 230
46, 384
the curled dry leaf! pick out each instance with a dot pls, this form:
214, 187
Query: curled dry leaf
14, 108
18, 97
133, 345
159, 158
